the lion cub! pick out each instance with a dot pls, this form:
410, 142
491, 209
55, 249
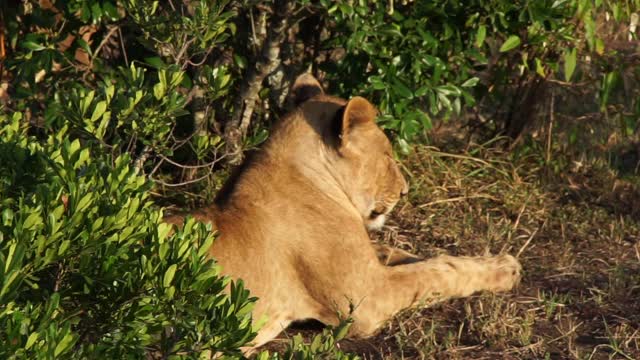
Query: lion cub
293, 224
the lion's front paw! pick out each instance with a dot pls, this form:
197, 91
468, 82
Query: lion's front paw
505, 273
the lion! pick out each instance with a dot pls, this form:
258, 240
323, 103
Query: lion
293, 224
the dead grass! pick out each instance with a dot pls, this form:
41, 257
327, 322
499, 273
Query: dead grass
576, 231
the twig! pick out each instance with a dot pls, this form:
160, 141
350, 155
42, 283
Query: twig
59, 275
526, 243
253, 29
462, 157
184, 49
181, 183
124, 51
102, 43
155, 168
459, 198
550, 131
204, 58
144, 155
189, 166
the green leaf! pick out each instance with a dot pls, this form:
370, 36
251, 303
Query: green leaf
341, 331
84, 45
540, 68
481, 35
448, 90
74, 147
159, 90
569, 63
168, 275
240, 61
12, 249
109, 91
163, 231
63, 247
83, 157
32, 339
100, 108
110, 10
156, 62
8, 280
7, 217
84, 202
511, 43
96, 11
171, 290
402, 90
63, 345
86, 101
30, 45
31, 220
471, 82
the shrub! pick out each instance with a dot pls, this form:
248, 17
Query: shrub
88, 269
426, 59
417, 60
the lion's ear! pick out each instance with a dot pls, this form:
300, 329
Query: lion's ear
304, 88
358, 111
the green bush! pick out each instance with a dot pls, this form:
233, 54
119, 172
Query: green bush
88, 269
425, 59
418, 60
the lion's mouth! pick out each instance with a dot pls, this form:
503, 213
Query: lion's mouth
379, 210
377, 218
376, 213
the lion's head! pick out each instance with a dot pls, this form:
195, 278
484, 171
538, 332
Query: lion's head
359, 153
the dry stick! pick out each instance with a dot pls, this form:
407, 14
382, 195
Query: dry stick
139, 162
161, 182
183, 166
517, 222
124, 51
266, 63
183, 51
549, 132
454, 199
102, 43
527, 242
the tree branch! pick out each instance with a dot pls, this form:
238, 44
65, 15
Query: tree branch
267, 62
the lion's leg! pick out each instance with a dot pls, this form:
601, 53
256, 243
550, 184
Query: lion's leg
391, 256
403, 286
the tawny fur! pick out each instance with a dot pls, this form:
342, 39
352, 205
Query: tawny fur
293, 225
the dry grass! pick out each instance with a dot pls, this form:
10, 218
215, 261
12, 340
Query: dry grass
576, 231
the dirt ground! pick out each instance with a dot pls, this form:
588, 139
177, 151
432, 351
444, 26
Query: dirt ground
574, 223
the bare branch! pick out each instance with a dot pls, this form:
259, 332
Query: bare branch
183, 166
124, 50
192, 181
144, 155
102, 43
